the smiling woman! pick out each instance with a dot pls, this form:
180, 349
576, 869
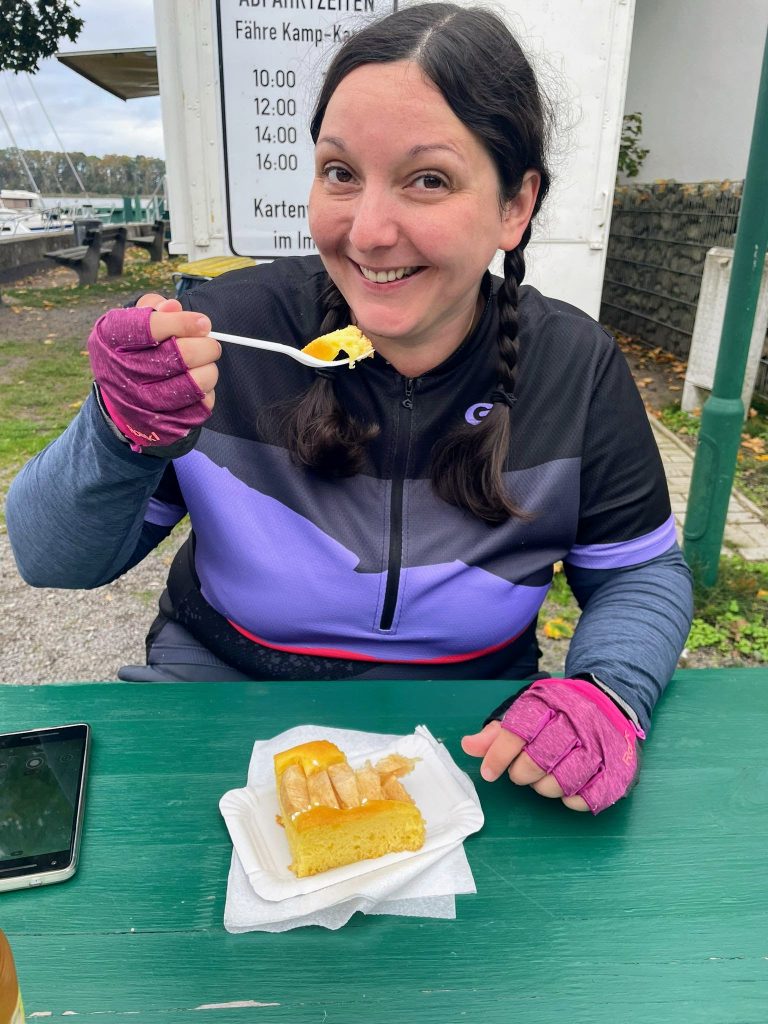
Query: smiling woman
403, 520
388, 212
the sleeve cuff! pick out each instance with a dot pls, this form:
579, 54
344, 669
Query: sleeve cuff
167, 451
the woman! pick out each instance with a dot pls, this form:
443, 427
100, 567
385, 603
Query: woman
400, 519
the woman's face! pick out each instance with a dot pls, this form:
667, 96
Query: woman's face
405, 212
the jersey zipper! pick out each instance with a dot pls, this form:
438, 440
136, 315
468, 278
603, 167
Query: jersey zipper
395, 557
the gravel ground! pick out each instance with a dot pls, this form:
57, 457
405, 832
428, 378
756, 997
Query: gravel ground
50, 636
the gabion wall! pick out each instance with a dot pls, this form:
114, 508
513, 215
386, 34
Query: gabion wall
659, 238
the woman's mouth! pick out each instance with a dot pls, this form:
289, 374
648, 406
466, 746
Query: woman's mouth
387, 276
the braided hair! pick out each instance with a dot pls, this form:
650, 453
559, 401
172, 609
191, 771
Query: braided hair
479, 67
322, 435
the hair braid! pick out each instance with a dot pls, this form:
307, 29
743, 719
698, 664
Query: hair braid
514, 272
468, 465
322, 435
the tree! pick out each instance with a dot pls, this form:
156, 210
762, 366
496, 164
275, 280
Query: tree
631, 153
31, 30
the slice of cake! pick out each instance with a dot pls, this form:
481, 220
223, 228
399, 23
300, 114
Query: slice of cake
349, 339
334, 815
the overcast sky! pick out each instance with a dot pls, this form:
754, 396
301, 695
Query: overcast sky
87, 118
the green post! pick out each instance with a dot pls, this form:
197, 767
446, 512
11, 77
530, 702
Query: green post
723, 414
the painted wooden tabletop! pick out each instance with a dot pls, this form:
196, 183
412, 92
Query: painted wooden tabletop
655, 911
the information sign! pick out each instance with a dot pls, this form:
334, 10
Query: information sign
272, 54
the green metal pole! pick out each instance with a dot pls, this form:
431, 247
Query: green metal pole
723, 414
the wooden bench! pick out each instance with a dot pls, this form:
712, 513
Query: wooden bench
105, 242
154, 243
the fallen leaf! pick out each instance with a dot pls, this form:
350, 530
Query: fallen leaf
675, 387
753, 444
558, 629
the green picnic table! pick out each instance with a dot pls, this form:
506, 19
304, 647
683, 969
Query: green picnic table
655, 911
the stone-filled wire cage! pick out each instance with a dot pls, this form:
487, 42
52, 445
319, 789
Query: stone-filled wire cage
659, 237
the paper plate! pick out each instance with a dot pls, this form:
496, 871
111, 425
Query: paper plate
443, 793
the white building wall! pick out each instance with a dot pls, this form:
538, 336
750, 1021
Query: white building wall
693, 74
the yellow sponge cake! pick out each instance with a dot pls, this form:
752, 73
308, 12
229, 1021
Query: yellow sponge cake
334, 815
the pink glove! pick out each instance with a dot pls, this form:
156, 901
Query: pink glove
145, 384
576, 733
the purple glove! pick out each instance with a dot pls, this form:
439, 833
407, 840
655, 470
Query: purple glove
576, 733
145, 384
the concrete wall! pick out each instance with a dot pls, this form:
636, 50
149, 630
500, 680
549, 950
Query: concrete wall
26, 253
693, 74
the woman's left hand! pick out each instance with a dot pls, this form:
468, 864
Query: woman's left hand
566, 739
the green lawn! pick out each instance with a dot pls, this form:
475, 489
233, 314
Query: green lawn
44, 380
42, 386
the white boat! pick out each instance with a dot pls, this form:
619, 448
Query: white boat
24, 213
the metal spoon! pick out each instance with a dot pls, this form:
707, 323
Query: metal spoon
275, 346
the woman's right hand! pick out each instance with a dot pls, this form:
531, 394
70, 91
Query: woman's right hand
156, 370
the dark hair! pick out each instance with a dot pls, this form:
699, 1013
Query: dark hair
486, 80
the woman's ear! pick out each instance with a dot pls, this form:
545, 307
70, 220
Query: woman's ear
518, 211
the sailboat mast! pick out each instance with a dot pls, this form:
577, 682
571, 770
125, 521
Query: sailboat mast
19, 153
53, 129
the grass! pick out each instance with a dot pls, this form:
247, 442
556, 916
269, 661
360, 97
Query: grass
43, 385
44, 381
730, 618
732, 615
751, 475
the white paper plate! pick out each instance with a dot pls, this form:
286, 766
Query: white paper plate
442, 792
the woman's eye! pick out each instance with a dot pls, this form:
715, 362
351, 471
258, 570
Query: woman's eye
430, 182
338, 175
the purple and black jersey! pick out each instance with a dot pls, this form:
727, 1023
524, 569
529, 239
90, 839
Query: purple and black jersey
376, 568
287, 575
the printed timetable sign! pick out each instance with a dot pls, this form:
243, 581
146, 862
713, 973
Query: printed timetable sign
272, 54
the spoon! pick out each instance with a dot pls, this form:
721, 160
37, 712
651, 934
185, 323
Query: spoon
275, 346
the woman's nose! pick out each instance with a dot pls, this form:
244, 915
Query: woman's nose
374, 221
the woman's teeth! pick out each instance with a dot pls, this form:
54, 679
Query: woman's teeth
384, 276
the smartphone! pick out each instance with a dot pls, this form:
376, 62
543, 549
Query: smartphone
42, 800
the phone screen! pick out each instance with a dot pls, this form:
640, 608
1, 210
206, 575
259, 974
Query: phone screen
41, 779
